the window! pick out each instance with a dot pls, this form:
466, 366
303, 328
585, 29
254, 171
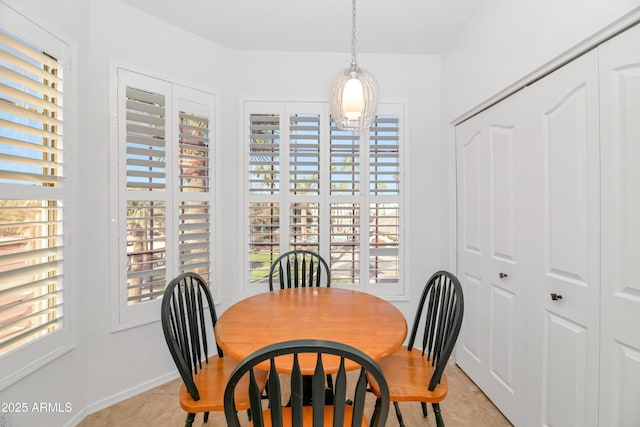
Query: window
164, 209
33, 240
310, 185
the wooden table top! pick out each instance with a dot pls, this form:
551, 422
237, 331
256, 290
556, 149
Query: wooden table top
364, 321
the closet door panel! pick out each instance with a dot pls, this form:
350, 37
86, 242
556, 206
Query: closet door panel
472, 154
471, 142
491, 347
502, 141
564, 310
507, 324
620, 130
503, 339
564, 372
565, 200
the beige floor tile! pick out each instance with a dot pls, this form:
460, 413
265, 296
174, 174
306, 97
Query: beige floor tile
464, 406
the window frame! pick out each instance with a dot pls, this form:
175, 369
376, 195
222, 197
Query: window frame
395, 291
123, 315
33, 355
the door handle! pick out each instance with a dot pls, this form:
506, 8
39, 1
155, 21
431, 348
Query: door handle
503, 275
556, 297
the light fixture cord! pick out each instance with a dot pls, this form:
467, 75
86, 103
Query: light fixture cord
354, 41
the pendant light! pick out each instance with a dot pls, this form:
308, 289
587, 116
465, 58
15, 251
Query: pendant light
354, 93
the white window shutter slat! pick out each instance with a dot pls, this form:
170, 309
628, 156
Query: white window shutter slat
345, 237
193, 155
384, 240
146, 249
31, 231
195, 234
304, 154
384, 156
145, 140
345, 161
304, 219
31, 256
264, 239
264, 154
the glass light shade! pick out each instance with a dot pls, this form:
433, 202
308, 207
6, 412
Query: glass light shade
354, 99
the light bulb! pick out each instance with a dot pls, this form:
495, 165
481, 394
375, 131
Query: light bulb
353, 99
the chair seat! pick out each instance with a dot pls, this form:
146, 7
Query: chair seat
408, 374
211, 381
307, 417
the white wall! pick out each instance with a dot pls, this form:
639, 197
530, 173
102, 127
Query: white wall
507, 40
122, 363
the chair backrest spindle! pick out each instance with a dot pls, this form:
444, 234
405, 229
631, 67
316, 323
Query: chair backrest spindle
300, 268
297, 392
317, 394
443, 298
185, 301
319, 348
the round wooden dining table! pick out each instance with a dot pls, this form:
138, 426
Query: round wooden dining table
364, 321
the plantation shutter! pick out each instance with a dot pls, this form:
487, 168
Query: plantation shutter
264, 154
304, 176
264, 204
345, 161
345, 216
194, 182
384, 212
345, 245
31, 208
384, 238
165, 203
145, 144
304, 154
314, 186
194, 152
304, 223
147, 201
384, 156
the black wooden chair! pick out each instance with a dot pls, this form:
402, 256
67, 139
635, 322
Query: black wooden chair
342, 412
417, 375
186, 326
299, 268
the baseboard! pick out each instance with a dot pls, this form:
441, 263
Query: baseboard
79, 416
119, 397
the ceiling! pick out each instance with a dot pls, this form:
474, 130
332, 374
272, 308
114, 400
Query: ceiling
383, 26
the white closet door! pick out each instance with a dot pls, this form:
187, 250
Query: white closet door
492, 343
620, 130
472, 194
563, 213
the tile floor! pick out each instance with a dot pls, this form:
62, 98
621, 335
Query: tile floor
464, 406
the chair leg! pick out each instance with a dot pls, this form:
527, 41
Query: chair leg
398, 413
424, 409
206, 417
190, 418
436, 410
374, 415
329, 391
